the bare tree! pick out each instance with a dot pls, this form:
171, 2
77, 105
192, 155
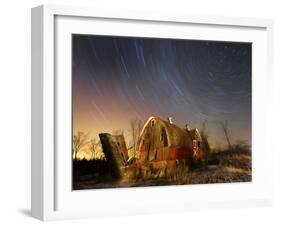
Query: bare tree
135, 130
203, 130
93, 147
79, 141
204, 136
224, 126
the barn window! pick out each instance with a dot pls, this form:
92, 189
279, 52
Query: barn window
152, 122
194, 143
199, 144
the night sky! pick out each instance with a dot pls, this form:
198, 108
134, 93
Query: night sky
117, 79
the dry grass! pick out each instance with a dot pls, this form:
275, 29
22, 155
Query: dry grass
232, 169
222, 167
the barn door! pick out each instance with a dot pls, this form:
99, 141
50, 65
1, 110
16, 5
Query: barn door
164, 137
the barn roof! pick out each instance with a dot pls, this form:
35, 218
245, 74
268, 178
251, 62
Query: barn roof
175, 134
168, 125
145, 124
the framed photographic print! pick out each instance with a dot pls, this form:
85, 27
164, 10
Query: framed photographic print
137, 112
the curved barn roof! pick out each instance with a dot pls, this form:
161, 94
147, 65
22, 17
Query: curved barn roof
176, 135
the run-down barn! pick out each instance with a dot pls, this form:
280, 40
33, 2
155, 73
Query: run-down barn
159, 141
162, 140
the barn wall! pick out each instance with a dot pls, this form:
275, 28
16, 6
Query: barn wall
153, 146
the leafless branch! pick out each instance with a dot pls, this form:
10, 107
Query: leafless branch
224, 125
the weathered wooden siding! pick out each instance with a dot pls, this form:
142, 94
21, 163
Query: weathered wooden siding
161, 140
115, 151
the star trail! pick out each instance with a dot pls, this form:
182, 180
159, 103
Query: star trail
117, 79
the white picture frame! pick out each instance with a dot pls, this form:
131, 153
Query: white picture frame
52, 197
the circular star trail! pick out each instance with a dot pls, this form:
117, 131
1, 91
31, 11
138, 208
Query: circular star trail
117, 79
